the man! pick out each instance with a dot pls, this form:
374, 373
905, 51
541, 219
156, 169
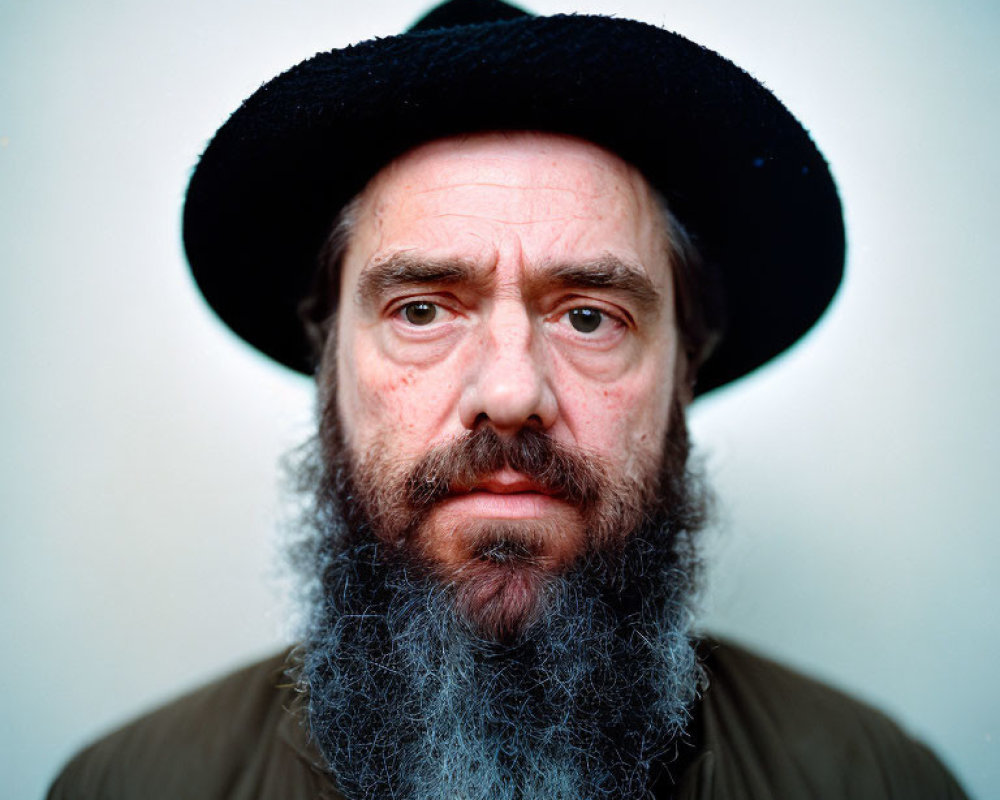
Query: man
538, 240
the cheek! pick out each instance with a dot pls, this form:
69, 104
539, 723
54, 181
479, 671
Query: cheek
402, 406
624, 421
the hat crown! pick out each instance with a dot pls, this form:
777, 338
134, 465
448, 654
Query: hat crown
453, 13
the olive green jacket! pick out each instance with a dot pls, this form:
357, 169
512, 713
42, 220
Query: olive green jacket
761, 732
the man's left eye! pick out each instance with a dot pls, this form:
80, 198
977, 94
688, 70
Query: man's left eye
585, 320
419, 313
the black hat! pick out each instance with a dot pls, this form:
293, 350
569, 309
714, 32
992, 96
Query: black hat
736, 168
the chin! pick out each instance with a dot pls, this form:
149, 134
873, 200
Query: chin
500, 601
499, 570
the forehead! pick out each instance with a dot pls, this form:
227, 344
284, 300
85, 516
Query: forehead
492, 197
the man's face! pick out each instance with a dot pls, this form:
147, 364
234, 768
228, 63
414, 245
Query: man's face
509, 282
501, 552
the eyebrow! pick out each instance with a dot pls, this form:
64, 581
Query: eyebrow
605, 272
404, 269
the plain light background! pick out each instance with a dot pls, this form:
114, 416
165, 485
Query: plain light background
140, 440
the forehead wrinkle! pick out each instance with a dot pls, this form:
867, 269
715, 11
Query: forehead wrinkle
525, 186
510, 222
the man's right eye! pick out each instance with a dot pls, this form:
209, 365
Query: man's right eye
419, 313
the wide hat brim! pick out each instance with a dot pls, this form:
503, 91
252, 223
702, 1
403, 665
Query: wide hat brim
735, 166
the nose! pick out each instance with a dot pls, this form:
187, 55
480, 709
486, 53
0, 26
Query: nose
508, 386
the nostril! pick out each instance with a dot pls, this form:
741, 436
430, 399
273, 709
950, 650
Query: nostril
509, 396
534, 421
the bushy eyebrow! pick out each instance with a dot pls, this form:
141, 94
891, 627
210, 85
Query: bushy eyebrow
607, 272
404, 269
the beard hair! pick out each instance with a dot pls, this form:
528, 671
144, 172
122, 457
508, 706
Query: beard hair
411, 696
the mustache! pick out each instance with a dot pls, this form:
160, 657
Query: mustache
461, 463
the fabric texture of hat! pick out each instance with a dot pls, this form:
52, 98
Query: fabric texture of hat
734, 165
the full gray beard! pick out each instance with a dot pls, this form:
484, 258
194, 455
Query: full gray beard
407, 700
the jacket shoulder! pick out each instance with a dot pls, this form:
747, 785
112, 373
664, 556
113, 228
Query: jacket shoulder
770, 731
205, 744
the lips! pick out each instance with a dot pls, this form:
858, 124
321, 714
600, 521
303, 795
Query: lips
502, 495
504, 482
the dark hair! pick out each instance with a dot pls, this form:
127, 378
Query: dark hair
318, 309
698, 296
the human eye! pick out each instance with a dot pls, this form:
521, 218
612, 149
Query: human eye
419, 312
591, 321
585, 319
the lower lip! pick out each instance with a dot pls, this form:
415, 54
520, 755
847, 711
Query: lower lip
490, 505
